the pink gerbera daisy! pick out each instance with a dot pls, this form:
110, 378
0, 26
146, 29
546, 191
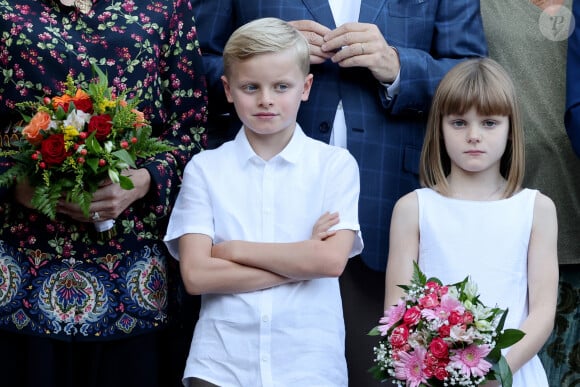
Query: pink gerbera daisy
471, 360
391, 316
409, 367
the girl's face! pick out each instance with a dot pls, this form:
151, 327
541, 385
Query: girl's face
475, 143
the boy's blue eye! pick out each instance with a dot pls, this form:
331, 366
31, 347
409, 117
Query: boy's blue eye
250, 88
282, 87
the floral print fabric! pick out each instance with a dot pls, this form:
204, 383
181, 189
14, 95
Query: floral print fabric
56, 278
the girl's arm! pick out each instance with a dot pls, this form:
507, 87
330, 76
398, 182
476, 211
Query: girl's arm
403, 247
542, 284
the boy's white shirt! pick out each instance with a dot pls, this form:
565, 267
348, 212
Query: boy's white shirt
232, 194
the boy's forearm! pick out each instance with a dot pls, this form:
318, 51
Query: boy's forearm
298, 260
225, 277
204, 274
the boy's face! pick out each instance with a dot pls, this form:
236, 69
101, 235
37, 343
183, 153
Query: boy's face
266, 91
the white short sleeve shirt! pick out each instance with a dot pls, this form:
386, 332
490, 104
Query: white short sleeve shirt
288, 335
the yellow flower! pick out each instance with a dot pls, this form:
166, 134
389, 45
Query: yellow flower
70, 132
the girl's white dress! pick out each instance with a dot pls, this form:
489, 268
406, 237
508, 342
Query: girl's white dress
487, 240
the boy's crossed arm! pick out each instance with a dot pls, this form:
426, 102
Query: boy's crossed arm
240, 266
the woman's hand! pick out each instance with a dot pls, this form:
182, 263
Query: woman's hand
110, 200
23, 192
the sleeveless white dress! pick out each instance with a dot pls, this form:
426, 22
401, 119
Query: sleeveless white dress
487, 240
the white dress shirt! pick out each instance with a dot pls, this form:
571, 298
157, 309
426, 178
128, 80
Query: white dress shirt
287, 335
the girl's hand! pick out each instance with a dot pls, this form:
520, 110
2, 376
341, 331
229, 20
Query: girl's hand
321, 229
492, 383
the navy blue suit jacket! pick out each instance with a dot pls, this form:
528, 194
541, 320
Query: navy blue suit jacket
572, 117
384, 136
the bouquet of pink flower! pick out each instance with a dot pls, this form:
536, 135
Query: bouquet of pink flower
72, 142
442, 335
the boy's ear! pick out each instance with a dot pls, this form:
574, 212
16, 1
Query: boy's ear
227, 88
307, 86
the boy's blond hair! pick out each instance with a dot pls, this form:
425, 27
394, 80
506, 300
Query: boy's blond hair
262, 36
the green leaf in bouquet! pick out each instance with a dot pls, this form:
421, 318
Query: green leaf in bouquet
501, 322
82, 196
509, 337
374, 332
60, 114
378, 373
93, 163
45, 199
11, 175
125, 156
502, 372
418, 276
93, 145
125, 182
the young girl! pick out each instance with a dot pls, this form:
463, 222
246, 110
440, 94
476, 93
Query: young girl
474, 218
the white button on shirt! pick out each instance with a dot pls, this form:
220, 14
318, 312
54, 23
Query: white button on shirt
288, 335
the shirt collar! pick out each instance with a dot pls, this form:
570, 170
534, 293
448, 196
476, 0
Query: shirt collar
291, 153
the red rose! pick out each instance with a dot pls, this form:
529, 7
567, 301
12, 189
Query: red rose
432, 286
431, 361
441, 373
429, 301
455, 318
412, 316
444, 330
399, 336
102, 125
439, 348
468, 318
83, 101
52, 150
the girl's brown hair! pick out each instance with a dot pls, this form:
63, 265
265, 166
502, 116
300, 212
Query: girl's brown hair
482, 84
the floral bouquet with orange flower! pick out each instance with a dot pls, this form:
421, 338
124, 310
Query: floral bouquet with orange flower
72, 142
442, 335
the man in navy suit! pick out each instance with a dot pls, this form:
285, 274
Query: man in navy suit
374, 77
572, 117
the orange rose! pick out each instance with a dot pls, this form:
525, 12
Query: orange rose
38, 123
62, 101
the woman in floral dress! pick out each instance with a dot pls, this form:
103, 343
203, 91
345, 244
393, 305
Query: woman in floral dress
74, 310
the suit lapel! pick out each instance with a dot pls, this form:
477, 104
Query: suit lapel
321, 12
370, 9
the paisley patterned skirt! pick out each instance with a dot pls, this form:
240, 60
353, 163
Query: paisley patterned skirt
57, 281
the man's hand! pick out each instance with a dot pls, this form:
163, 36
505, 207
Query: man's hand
314, 33
363, 45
